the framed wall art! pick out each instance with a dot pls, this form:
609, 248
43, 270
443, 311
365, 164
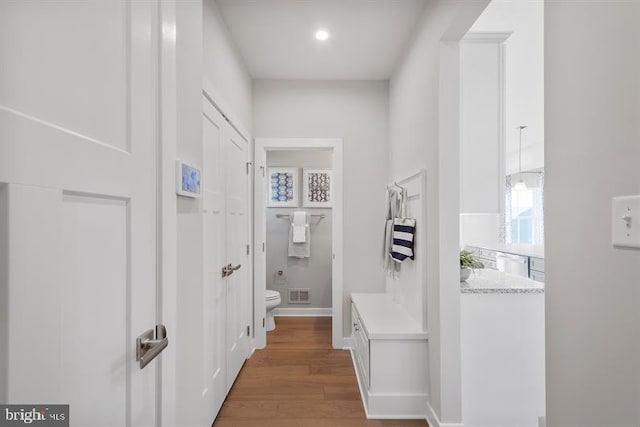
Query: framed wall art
282, 187
316, 188
187, 180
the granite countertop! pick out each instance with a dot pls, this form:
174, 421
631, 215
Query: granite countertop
487, 281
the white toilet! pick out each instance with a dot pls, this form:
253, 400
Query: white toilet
273, 300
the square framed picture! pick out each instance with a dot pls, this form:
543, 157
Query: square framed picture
316, 188
282, 187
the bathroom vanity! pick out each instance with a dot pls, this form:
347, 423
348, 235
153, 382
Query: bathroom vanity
390, 356
503, 348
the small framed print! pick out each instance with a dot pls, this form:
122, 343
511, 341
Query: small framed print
282, 187
316, 188
187, 180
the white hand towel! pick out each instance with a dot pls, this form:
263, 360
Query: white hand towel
300, 250
299, 226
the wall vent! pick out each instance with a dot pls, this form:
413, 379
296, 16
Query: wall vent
299, 296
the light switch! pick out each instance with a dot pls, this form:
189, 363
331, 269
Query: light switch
626, 221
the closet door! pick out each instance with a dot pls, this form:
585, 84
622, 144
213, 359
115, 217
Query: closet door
239, 302
226, 286
214, 290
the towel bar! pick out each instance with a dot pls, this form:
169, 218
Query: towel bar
289, 215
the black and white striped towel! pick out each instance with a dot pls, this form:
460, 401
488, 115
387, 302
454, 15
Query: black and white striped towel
404, 230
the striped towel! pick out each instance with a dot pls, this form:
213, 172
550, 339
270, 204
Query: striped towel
404, 230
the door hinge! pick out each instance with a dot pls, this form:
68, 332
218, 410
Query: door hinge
248, 330
263, 323
248, 249
262, 169
248, 166
262, 246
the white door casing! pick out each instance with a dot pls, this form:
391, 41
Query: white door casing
78, 93
262, 145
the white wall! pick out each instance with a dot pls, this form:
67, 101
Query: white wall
414, 143
524, 69
479, 230
592, 106
357, 112
189, 219
4, 289
224, 68
313, 272
200, 34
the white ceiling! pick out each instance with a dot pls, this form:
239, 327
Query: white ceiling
276, 37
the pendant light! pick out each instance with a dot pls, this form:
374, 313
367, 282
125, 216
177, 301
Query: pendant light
520, 185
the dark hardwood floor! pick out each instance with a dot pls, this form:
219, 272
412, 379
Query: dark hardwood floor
299, 381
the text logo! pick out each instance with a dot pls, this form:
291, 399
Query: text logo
34, 415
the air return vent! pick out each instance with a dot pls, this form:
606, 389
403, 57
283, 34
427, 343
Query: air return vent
299, 296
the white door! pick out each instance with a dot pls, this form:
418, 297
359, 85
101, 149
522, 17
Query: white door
226, 296
78, 206
236, 155
214, 285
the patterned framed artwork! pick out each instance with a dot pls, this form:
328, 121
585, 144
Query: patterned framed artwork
282, 187
316, 188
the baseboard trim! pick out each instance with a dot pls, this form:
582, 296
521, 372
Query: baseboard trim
434, 421
301, 312
347, 343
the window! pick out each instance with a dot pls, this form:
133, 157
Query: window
524, 221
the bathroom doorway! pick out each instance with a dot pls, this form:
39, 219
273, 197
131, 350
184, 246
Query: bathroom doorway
301, 276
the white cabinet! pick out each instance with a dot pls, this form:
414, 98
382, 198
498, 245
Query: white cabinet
482, 145
503, 372
360, 347
390, 357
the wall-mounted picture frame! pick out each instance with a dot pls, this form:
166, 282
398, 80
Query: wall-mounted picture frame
317, 188
187, 180
282, 187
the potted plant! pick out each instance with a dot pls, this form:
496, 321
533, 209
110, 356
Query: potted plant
467, 262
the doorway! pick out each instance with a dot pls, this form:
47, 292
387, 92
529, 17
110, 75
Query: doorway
497, 75
333, 150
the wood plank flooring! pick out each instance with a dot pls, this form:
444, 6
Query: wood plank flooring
299, 381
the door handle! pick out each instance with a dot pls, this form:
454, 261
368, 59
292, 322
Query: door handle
229, 269
150, 344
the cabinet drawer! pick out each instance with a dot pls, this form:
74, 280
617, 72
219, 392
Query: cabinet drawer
537, 276
537, 264
488, 263
487, 253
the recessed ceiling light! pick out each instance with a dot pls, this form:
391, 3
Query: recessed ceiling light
322, 35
